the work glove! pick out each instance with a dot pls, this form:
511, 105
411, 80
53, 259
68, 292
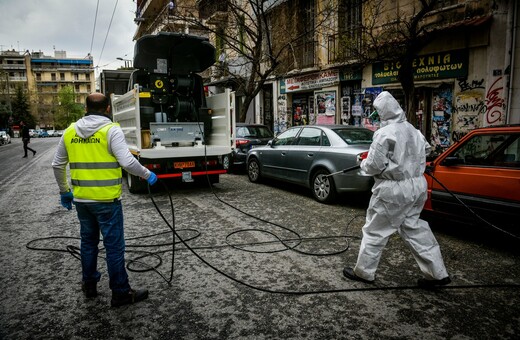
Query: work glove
66, 200
152, 179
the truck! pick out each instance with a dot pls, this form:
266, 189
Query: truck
169, 123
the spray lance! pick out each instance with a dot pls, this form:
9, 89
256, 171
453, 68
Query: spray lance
375, 117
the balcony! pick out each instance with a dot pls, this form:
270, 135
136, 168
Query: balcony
213, 12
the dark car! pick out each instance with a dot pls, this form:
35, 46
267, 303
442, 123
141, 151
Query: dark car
248, 136
483, 171
307, 155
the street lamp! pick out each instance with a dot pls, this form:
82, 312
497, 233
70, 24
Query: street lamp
128, 62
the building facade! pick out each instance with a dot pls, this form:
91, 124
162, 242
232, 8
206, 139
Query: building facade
42, 77
465, 70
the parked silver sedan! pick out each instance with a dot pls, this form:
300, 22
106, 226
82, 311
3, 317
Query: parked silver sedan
307, 155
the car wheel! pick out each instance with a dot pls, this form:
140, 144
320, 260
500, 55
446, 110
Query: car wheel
322, 186
135, 184
253, 170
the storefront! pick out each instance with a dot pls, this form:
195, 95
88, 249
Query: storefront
324, 97
436, 78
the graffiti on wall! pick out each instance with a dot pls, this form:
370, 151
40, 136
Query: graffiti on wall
441, 116
495, 103
469, 107
280, 123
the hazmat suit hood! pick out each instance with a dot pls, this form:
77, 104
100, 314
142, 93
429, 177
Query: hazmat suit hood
88, 125
388, 109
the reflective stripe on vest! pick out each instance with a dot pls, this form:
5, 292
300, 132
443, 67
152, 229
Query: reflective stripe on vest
95, 173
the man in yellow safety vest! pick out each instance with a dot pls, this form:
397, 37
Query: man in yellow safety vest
96, 150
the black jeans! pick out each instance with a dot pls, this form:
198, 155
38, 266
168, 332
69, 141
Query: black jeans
26, 147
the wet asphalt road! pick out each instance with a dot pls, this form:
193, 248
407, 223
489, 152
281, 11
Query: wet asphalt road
41, 298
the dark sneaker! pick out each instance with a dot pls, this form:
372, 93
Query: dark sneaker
349, 273
89, 288
34, 153
424, 283
132, 296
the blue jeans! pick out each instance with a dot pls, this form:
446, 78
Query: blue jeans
106, 218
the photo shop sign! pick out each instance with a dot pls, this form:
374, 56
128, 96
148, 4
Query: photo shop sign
442, 65
309, 81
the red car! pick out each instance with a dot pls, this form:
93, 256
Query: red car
483, 171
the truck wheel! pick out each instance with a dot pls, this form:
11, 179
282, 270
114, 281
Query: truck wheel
135, 184
253, 170
323, 188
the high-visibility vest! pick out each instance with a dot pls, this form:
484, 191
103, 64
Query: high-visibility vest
95, 174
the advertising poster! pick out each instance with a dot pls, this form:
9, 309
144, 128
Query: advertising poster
326, 107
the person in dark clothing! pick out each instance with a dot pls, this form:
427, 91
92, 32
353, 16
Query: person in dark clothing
26, 139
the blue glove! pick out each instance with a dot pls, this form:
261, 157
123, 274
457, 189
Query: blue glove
66, 200
152, 179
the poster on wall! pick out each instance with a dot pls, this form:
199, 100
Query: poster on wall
441, 118
345, 110
326, 107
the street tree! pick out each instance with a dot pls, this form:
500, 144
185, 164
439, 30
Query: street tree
253, 44
388, 33
68, 110
21, 109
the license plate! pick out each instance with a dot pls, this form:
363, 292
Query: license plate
184, 165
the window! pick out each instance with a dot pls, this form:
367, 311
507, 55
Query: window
53, 76
62, 76
310, 137
501, 150
355, 136
286, 137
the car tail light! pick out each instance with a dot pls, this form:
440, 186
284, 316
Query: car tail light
240, 142
362, 156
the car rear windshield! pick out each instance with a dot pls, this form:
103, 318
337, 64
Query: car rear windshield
254, 131
355, 136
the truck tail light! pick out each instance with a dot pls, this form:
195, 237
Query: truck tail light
152, 166
209, 162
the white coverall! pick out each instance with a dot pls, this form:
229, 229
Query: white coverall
397, 159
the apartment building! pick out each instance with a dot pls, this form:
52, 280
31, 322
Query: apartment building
48, 75
42, 77
335, 56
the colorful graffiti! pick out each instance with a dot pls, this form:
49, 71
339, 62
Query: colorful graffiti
441, 118
469, 107
495, 104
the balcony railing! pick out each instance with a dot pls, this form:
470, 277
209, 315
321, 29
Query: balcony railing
208, 8
344, 46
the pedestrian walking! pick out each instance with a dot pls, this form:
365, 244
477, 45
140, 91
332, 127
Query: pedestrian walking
26, 139
397, 160
95, 149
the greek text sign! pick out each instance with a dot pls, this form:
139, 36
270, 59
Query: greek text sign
309, 81
452, 64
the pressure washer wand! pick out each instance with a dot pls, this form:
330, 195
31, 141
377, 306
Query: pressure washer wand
343, 171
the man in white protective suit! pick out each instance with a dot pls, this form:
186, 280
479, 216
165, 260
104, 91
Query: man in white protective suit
397, 160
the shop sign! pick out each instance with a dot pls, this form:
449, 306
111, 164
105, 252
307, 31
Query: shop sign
452, 64
347, 74
309, 81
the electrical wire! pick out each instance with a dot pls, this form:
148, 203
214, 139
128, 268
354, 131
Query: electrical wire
108, 31
94, 29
